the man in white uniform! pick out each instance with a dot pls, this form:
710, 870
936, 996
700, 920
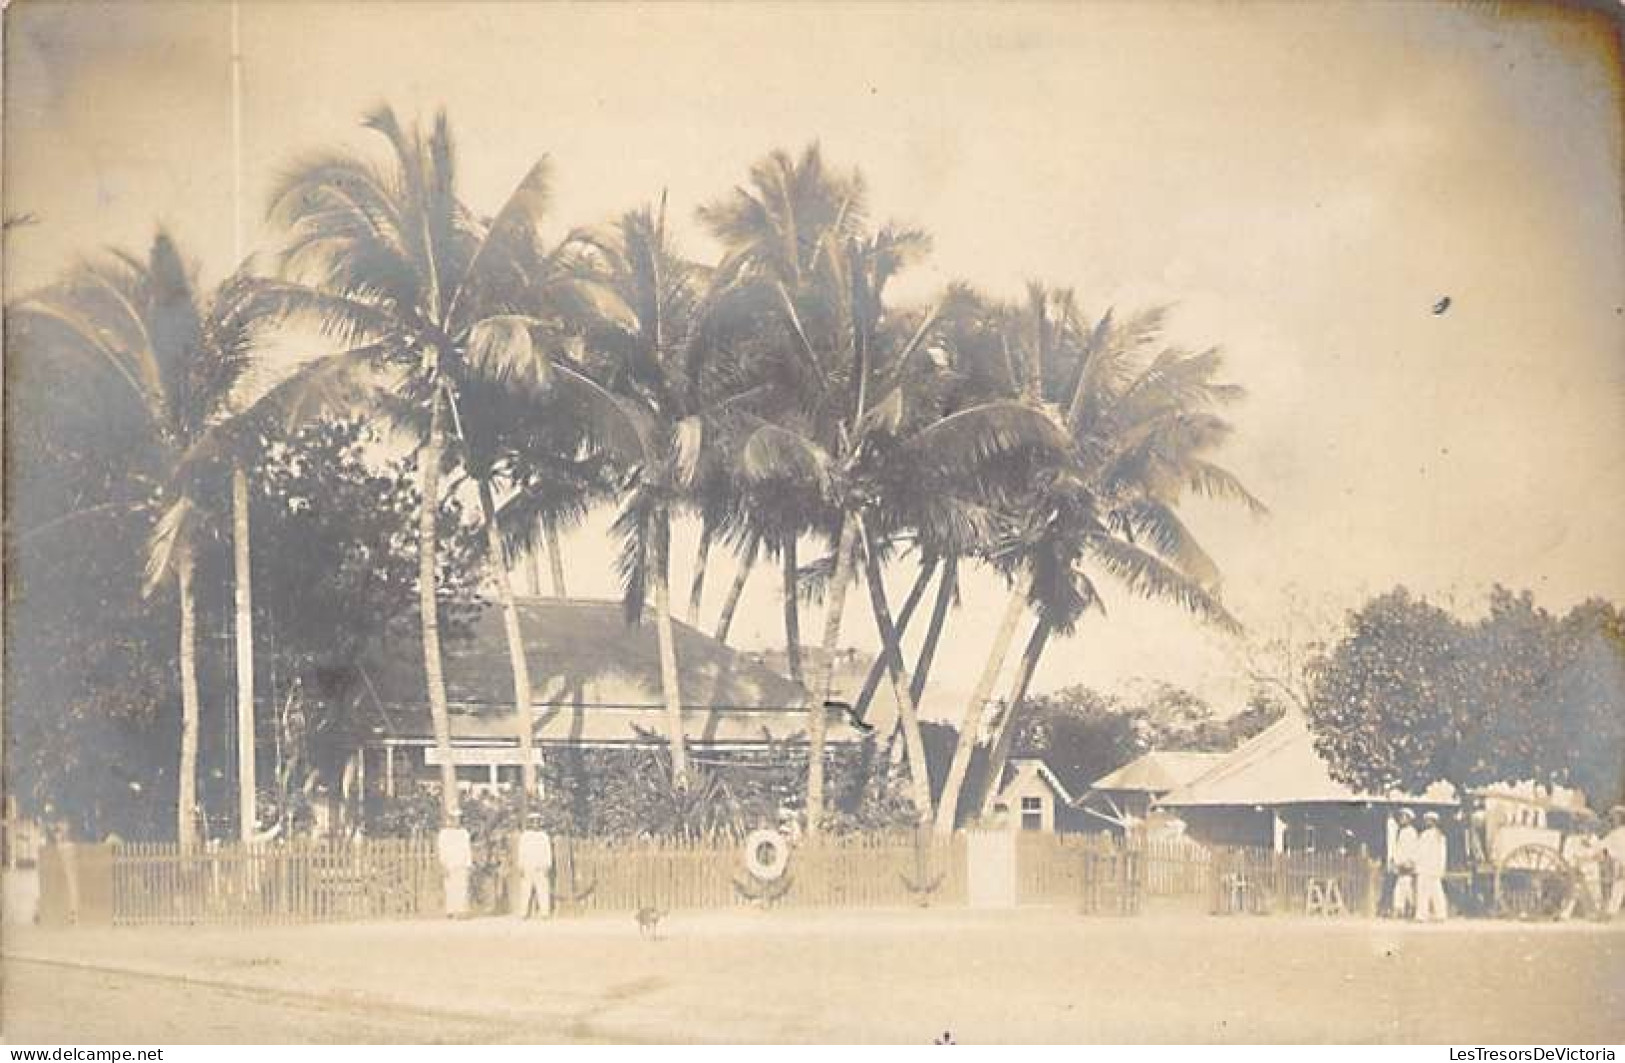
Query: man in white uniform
1432, 854
1402, 864
456, 857
535, 861
1613, 843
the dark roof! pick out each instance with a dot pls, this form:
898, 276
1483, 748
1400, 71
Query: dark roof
594, 678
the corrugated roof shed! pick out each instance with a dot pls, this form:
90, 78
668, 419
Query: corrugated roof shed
1281, 767
1158, 772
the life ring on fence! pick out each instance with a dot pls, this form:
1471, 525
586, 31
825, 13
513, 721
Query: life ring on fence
771, 866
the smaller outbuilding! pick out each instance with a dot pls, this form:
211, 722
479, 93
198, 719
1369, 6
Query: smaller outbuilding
1033, 798
1124, 797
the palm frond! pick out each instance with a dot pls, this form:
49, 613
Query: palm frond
1211, 481
502, 350
775, 453
1146, 575
170, 535
963, 442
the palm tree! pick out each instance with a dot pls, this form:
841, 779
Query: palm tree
661, 401
412, 283
177, 356
847, 366
1142, 431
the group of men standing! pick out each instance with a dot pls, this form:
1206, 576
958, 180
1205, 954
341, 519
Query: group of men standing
533, 858
1417, 860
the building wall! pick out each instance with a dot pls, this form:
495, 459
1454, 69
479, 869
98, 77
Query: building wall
1322, 827
1029, 788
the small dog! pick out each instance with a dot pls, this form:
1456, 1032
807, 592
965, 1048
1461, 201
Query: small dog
649, 922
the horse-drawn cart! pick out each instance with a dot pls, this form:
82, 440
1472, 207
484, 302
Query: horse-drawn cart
1522, 873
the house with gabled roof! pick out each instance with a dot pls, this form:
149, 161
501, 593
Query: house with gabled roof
1276, 791
1125, 796
595, 683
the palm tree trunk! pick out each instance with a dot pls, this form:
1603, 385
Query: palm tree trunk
970, 724
834, 604
243, 584
736, 590
186, 795
670, 682
1005, 732
946, 589
788, 569
892, 650
524, 713
696, 589
877, 670
533, 562
555, 559
429, 608
922, 663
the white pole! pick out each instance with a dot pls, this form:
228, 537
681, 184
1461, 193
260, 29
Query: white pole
247, 783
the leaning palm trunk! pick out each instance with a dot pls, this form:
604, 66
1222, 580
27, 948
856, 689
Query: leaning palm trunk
970, 724
919, 772
877, 670
555, 559
429, 608
524, 714
696, 589
186, 796
670, 682
788, 570
922, 663
834, 603
731, 604
243, 584
1005, 730
946, 589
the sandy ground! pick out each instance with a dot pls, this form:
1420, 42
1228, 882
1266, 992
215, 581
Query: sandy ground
1029, 975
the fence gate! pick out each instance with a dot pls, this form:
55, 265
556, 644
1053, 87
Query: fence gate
991, 872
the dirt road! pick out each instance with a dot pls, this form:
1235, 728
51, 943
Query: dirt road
873, 976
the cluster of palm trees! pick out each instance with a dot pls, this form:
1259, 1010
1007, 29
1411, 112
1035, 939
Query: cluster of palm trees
777, 397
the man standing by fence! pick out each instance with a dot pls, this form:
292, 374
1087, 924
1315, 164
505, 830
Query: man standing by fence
535, 860
1432, 854
1402, 866
1613, 844
456, 857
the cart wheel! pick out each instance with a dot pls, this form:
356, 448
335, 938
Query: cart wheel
1533, 882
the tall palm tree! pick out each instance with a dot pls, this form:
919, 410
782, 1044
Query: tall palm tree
414, 284
847, 366
1143, 430
661, 398
177, 354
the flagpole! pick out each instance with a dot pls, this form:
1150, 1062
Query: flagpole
247, 781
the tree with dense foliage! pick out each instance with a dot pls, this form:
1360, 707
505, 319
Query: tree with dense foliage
177, 355
1413, 695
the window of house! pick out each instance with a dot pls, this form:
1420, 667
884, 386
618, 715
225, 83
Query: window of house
1032, 813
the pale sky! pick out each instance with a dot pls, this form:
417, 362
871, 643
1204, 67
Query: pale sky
1302, 182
